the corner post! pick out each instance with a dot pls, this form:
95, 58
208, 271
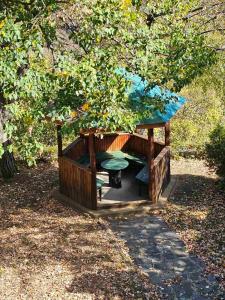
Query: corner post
91, 144
151, 187
167, 144
59, 140
167, 134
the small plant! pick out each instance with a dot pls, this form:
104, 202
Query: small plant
215, 150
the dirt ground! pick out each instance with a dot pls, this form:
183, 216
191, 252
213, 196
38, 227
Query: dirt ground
49, 251
196, 211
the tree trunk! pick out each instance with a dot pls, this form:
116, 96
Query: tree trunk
7, 163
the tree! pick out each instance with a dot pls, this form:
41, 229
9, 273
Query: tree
59, 60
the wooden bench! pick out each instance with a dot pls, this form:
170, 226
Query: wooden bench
143, 177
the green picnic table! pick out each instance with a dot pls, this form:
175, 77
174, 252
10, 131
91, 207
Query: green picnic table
102, 156
114, 167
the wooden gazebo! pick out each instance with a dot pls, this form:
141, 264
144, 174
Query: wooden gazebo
77, 181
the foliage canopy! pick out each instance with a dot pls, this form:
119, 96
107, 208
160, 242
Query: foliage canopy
58, 59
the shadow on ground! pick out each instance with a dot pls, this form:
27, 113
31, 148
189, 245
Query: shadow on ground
196, 211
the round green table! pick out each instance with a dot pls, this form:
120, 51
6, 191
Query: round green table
114, 167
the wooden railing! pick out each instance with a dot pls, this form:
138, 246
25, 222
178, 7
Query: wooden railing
111, 142
79, 182
75, 150
138, 144
161, 172
76, 183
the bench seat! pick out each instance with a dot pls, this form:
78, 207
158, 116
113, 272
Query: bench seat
143, 175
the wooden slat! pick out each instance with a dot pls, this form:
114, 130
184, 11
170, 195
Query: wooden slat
111, 142
167, 134
75, 150
76, 182
151, 185
161, 167
150, 126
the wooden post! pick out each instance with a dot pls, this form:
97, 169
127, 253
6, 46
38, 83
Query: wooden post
167, 143
151, 187
91, 144
59, 140
167, 134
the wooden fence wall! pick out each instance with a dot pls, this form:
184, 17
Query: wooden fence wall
138, 144
76, 183
161, 172
111, 142
75, 150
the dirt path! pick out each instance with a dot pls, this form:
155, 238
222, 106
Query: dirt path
184, 256
161, 254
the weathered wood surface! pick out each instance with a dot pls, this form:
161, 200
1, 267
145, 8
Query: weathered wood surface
111, 142
161, 167
138, 144
75, 150
76, 182
167, 134
151, 184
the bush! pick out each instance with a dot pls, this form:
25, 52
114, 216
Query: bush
215, 150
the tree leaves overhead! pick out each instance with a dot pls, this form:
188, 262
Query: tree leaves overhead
57, 56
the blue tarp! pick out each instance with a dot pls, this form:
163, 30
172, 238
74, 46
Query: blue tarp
140, 90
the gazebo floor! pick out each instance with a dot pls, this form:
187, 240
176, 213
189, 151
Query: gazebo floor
129, 192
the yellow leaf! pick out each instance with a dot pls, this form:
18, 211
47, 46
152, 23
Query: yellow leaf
2, 23
126, 4
73, 114
85, 107
62, 74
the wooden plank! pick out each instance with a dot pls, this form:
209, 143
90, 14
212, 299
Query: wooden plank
161, 170
75, 182
150, 126
111, 142
151, 187
76, 149
137, 144
167, 134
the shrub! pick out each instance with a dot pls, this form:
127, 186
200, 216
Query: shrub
215, 150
